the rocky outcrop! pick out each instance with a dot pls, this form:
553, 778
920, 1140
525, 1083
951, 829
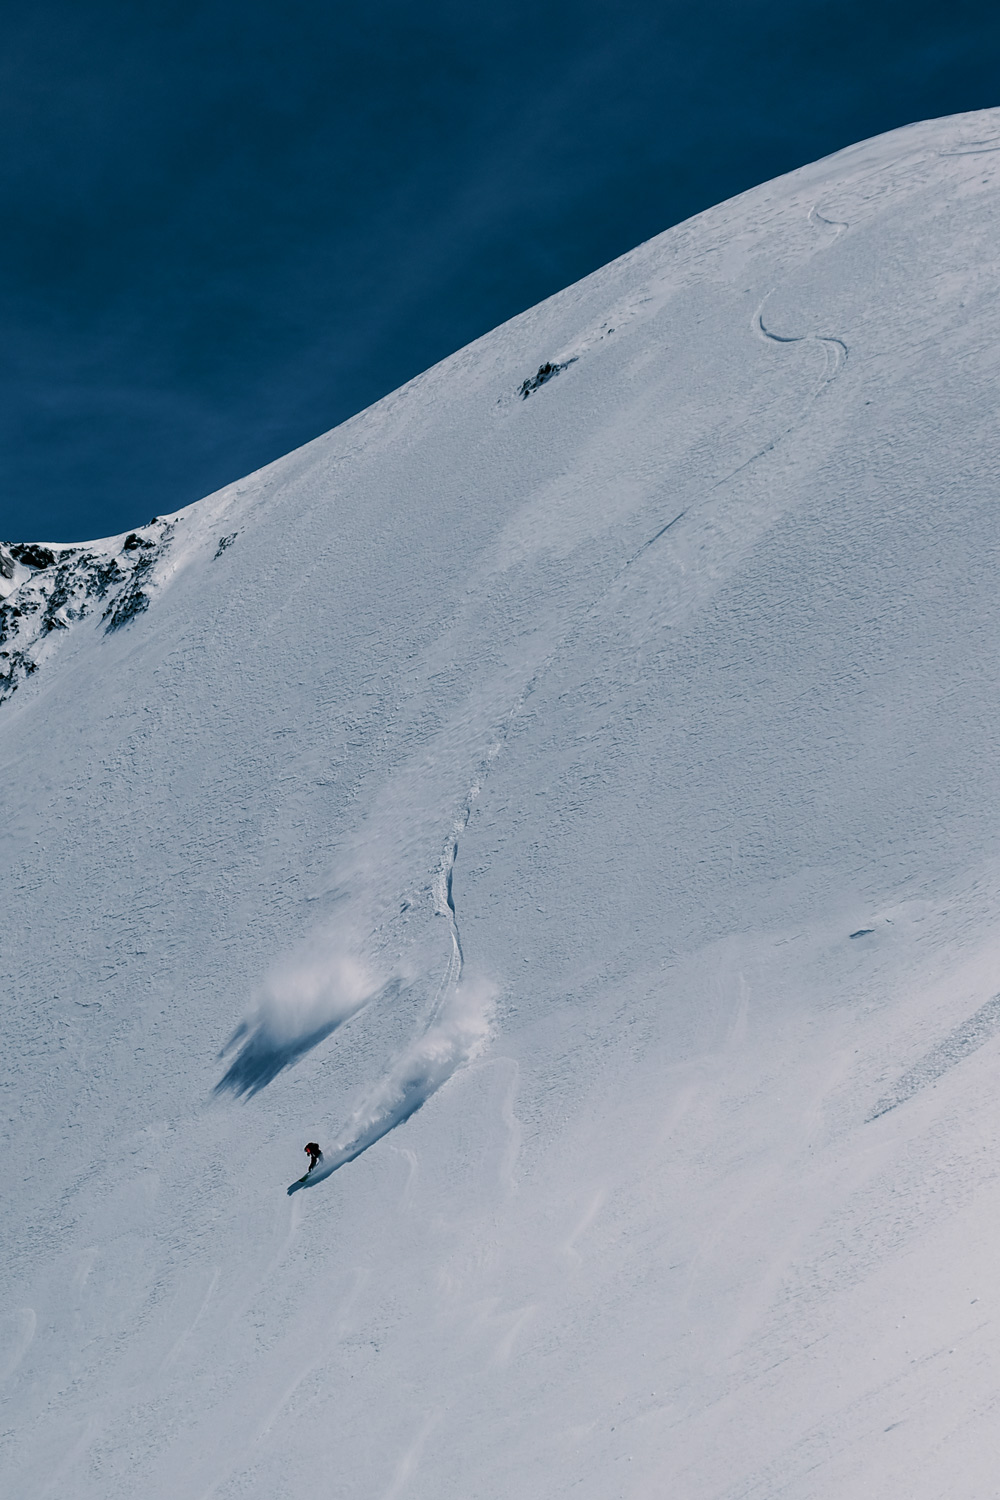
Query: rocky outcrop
61, 585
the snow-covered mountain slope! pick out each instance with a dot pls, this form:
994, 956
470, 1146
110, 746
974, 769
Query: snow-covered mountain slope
572, 790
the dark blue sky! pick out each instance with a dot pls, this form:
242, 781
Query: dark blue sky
228, 227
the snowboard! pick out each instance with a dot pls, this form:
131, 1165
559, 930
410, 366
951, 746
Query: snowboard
301, 1181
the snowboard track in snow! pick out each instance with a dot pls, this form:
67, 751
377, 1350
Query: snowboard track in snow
441, 1046
973, 1033
693, 783
817, 217
454, 1034
835, 348
454, 1031
974, 148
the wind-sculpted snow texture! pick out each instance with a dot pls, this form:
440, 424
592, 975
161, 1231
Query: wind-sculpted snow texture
572, 798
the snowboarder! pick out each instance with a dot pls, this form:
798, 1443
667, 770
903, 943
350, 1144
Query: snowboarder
315, 1155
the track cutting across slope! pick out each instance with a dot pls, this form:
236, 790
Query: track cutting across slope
834, 348
458, 1022
971, 1034
775, 725
837, 225
457, 1018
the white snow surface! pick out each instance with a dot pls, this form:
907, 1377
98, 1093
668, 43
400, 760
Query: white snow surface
511, 785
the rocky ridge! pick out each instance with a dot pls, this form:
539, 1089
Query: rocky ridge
48, 589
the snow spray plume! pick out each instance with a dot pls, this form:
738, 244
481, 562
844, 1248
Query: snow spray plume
454, 1035
301, 1003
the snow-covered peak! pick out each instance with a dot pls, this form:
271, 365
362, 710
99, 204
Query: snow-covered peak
568, 792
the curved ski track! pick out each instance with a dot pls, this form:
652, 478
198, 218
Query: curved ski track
405, 1089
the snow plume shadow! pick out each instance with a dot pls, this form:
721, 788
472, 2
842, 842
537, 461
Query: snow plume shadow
454, 1035
301, 1003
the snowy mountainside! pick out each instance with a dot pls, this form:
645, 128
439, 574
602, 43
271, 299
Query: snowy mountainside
569, 792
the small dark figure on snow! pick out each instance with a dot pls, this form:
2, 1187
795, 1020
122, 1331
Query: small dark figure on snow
315, 1155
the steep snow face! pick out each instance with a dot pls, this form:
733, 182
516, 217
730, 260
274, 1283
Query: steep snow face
570, 793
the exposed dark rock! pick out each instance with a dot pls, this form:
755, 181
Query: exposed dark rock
62, 588
546, 372
12, 668
9, 615
102, 577
32, 555
59, 595
224, 542
132, 600
6, 563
